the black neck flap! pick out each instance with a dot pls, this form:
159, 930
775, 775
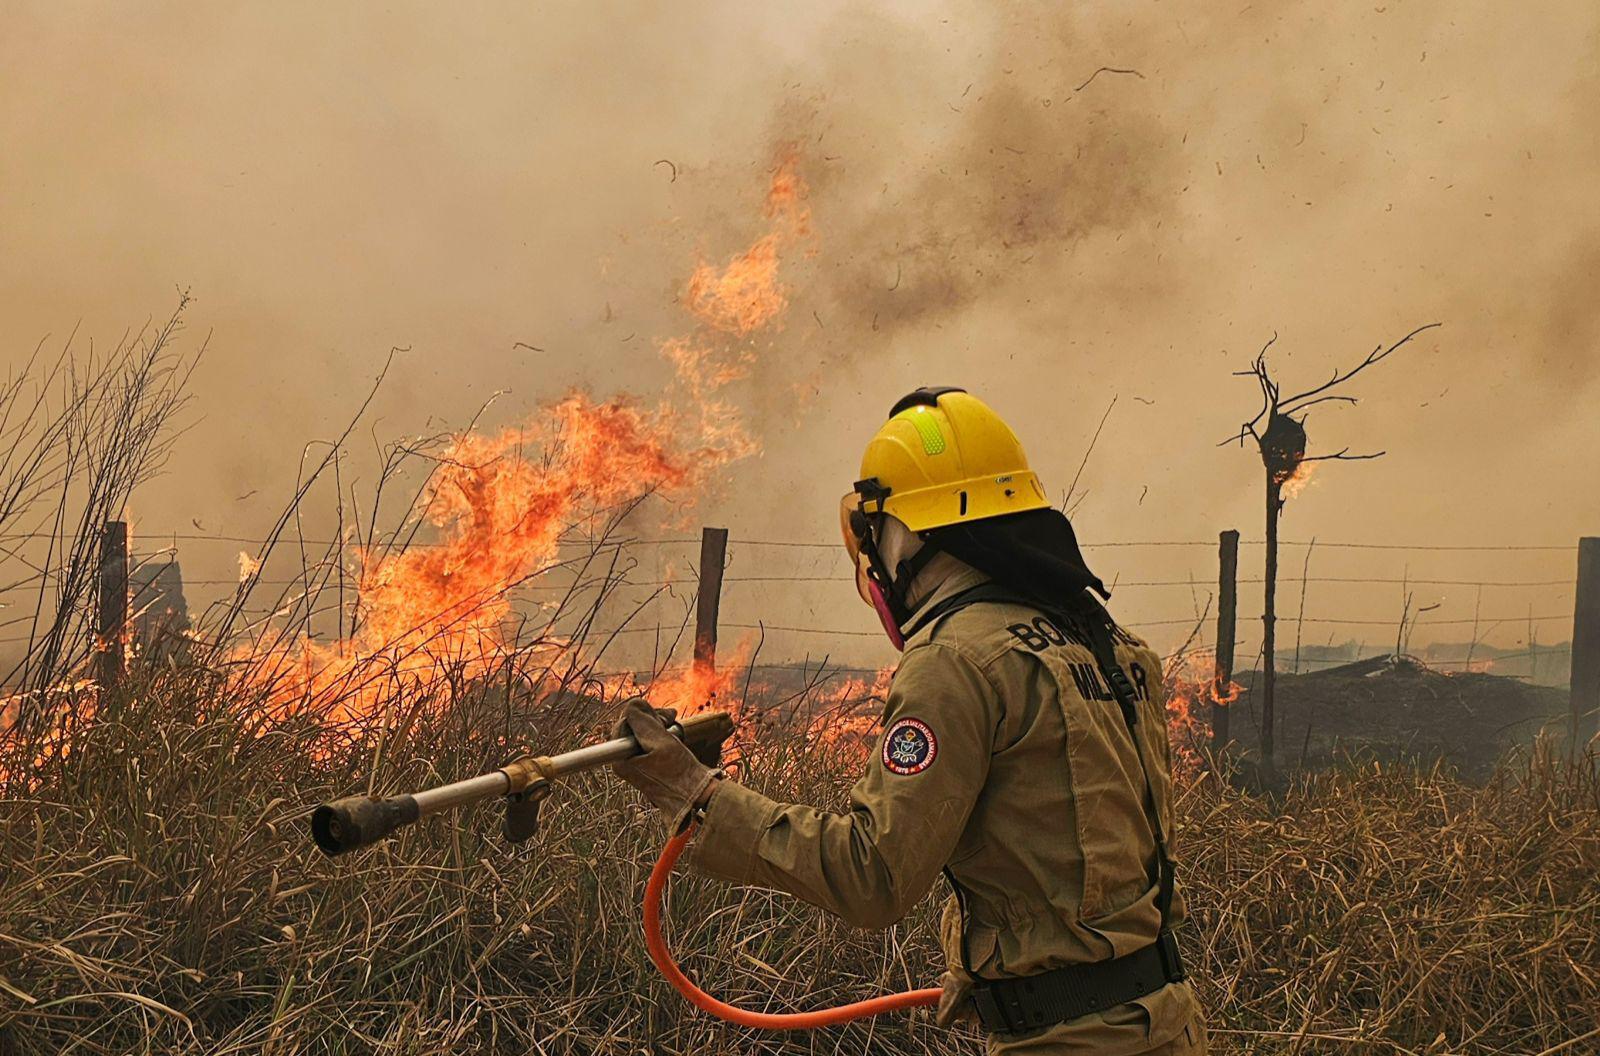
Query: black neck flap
1035, 554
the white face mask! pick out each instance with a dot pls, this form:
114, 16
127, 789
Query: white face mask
894, 544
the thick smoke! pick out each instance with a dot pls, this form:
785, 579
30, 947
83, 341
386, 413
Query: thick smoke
993, 203
1038, 150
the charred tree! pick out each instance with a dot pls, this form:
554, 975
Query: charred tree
1279, 431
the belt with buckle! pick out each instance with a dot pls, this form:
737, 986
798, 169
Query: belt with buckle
1012, 1006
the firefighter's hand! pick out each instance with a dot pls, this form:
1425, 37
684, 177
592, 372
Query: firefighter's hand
955, 1004
667, 772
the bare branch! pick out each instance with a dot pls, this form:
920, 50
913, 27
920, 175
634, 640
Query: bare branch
1343, 456
1377, 355
1326, 399
1269, 394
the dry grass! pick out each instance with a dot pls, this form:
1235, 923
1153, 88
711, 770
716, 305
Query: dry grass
159, 891
1381, 909
160, 894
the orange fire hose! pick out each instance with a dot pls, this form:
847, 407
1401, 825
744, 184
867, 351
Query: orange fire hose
654, 891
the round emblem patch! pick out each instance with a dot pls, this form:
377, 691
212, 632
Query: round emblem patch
909, 747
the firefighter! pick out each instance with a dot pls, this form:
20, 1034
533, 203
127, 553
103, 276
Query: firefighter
1023, 754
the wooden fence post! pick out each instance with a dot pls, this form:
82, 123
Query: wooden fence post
1586, 647
1227, 617
112, 614
713, 555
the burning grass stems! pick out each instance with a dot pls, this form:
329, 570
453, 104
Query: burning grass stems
162, 866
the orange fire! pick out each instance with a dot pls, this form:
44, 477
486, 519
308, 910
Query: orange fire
745, 294
690, 688
1296, 482
59, 713
501, 504
1192, 690
846, 715
248, 566
732, 304
441, 614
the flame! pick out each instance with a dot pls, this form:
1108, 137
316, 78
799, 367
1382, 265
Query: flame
248, 566
1296, 482
500, 503
745, 295
692, 688
440, 615
438, 618
734, 302
848, 716
787, 193
1192, 690
62, 710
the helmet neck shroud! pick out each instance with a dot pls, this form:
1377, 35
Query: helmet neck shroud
1036, 554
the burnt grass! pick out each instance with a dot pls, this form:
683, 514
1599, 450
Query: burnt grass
159, 893
1400, 712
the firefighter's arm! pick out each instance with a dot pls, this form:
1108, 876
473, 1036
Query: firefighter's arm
872, 864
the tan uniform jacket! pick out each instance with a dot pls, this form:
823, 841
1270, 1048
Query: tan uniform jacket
1004, 760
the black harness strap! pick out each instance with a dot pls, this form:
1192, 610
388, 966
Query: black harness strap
1166, 870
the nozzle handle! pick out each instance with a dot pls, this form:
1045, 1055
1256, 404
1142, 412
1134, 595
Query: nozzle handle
360, 821
704, 734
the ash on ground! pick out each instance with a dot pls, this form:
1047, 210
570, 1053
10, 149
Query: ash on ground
1399, 709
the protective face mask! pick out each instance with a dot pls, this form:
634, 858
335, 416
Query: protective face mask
880, 605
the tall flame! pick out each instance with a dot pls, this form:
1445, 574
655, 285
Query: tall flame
745, 295
733, 303
501, 503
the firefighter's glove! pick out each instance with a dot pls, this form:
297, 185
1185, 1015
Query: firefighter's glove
666, 771
955, 1003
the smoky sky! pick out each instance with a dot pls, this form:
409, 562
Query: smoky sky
1052, 206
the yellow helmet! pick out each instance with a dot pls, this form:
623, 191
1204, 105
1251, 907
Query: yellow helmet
944, 457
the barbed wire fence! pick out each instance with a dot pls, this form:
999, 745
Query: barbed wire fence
1550, 595
790, 588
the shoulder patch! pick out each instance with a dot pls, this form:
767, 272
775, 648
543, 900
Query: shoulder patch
909, 747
